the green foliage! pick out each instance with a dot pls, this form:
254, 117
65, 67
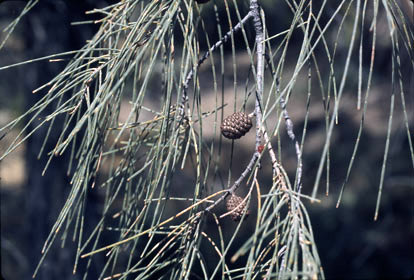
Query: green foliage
145, 60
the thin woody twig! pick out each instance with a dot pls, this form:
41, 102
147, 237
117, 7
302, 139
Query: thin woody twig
254, 10
237, 183
291, 134
260, 74
224, 39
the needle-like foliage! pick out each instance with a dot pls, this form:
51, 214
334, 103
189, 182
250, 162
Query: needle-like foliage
145, 60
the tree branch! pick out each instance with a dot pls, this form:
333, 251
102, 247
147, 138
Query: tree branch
254, 13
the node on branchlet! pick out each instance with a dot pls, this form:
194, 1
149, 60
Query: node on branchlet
236, 125
237, 204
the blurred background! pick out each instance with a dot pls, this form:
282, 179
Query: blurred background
351, 244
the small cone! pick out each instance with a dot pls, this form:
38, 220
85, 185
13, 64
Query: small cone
236, 125
236, 202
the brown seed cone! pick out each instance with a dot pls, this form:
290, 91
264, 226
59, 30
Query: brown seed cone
236, 202
236, 125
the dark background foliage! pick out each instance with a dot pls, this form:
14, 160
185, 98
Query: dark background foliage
351, 245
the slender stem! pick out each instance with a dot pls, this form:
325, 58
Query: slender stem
291, 134
257, 23
237, 182
224, 39
289, 128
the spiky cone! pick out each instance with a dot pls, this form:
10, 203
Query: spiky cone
237, 204
236, 125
